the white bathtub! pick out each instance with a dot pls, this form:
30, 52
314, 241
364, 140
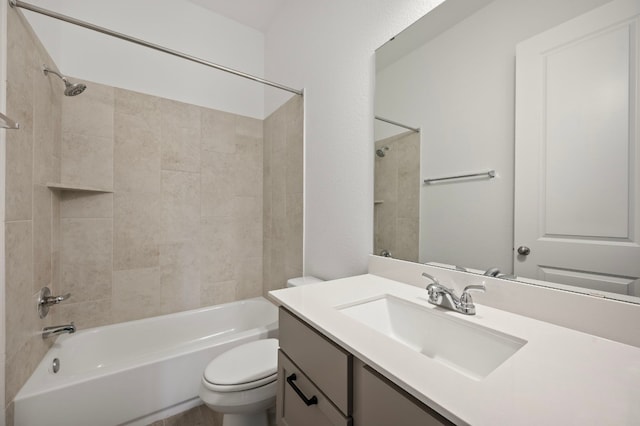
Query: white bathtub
136, 372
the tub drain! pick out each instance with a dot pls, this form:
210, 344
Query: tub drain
56, 365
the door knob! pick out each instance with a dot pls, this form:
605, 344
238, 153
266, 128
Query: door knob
524, 250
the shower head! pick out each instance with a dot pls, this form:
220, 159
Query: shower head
74, 89
70, 89
381, 152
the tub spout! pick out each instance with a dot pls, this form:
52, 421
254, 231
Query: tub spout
58, 329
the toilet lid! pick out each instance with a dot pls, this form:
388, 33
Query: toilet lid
245, 364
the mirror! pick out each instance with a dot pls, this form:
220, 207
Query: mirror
447, 104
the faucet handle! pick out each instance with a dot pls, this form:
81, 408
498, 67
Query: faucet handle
431, 277
466, 302
474, 287
45, 300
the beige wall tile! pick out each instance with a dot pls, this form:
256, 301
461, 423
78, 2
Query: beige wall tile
283, 201
247, 236
86, 258
218, 131
146, 108
249, 166
398, 172
180, 277
21, 70
293, 238
10, 414
19, 167
386, 175
407, 239
136, 294
20, 47
215, 293
80, 204
248, 208
180, 136
249, 127
89, 114
87, 160
19, 305
180, 206
217, 251
85, 315
46, 102
56, 239
137, 153
137, 230
276, 131
277, 269
385, 226
56, 138
278, 196
408, 149
249, 277
267, 185
42, 237
219, 177
294, 166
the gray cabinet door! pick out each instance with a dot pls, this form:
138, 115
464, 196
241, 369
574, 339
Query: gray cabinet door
326, 364
295, 390
377, 402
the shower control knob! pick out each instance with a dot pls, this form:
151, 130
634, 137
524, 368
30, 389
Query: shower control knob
524, 250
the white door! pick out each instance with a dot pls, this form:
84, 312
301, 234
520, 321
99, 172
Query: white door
577, 173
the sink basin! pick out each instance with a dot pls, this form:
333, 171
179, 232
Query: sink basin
468, 348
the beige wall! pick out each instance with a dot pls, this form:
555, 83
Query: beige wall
397, 196
181, 225
32, 210
283, 200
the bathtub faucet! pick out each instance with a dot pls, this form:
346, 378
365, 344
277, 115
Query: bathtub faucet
58, 329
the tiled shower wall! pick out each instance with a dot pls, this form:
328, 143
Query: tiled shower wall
183, 226
32, 210
396, 218
283, 199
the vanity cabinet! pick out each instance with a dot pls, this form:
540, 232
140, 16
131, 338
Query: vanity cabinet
313, 377
379, 402
300, 402
321, 384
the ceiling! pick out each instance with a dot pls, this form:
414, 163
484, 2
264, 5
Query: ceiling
252, 13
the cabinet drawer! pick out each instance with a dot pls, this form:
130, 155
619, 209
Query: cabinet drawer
328, 366
291, 408
378, 402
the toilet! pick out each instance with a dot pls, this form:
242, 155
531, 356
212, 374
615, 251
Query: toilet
241, 383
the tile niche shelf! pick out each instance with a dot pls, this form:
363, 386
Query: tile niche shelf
73, 187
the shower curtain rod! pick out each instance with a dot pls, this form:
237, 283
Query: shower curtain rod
395, 123
36, 9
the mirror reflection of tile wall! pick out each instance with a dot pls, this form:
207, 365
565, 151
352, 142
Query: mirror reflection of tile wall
396, 196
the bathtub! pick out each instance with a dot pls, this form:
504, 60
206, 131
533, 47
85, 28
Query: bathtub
136, 372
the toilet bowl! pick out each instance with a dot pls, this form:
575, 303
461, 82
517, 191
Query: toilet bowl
241, 383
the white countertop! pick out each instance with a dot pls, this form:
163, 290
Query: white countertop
560, 376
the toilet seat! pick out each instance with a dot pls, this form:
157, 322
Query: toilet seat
244, 367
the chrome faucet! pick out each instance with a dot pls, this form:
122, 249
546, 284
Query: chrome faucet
440, 295
58, 329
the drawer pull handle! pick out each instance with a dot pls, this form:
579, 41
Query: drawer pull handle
309, 401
